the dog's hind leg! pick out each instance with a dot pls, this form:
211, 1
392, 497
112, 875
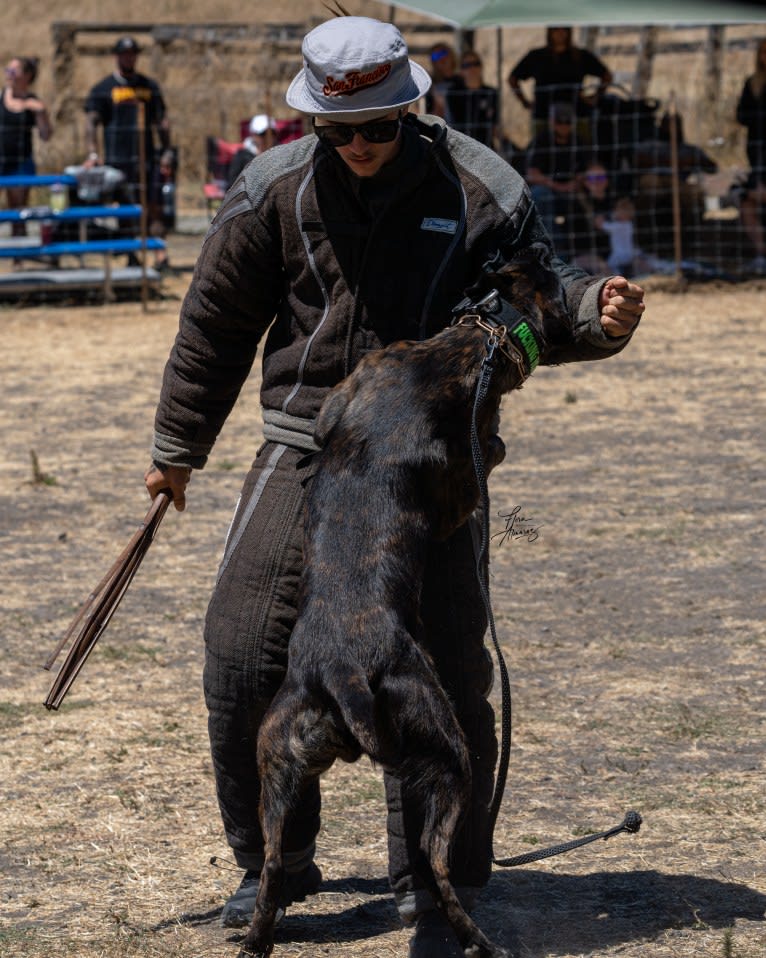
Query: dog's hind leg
277, 792
436, 768
443, 815
260, 937
294, 748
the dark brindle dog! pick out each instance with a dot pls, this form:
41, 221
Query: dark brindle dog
395, 469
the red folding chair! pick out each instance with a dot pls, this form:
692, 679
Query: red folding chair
219, 154
289, 129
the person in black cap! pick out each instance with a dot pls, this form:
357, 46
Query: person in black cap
555, 158
366, 231
113, 105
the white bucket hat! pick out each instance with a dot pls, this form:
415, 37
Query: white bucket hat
356, 68
260, 123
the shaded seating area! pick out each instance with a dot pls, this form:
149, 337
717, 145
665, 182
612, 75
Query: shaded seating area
685, 215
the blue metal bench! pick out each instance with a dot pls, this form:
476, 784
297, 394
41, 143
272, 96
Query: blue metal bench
18, 248
26, 280
118, 245
71, 214
36, 179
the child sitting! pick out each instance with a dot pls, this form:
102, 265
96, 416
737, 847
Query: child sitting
624, 257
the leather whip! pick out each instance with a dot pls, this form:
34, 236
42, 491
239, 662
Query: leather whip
95, 613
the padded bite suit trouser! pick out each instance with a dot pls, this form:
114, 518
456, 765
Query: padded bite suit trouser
249, 621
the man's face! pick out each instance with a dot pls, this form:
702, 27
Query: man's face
562, 130
443, 67
362, 157
126, 62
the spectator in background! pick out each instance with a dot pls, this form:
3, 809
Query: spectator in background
624, 255
555, 157
653, 162
21, 112
444, 80
656, 155
558, 70
113, 104
474, 108
261, 130
589, 244
751, 113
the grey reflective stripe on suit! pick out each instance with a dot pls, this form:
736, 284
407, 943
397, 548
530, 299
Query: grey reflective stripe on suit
232, 540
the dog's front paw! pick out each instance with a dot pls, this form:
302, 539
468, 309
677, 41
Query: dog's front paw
256, 948
486, 951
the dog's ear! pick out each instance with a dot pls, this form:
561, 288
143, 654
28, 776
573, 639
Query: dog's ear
333, 408
535, 258
529, 266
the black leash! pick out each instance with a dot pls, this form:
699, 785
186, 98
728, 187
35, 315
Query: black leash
632, 821
482, 576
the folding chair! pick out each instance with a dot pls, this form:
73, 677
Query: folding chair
289, 129
219, 154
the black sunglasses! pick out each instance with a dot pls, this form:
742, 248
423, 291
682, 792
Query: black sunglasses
341, 134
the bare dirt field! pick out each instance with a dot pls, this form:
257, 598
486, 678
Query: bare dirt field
631, 614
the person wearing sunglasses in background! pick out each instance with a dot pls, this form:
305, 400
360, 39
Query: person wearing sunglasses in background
588, 244
445, 80
367, 231
474, 106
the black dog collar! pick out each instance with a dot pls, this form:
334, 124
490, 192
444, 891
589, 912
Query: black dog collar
496, 315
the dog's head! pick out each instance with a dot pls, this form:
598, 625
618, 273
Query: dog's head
533, 288
410, 404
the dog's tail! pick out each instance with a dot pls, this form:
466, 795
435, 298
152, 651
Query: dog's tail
362, 711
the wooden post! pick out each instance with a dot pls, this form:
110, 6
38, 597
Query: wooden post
108, 288
63, 112
142, 196
714, 44
675, 184
646, 49
589, 38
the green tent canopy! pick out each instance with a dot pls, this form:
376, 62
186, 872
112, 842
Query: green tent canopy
470, 14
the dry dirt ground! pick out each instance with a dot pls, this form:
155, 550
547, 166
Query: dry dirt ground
631, 613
